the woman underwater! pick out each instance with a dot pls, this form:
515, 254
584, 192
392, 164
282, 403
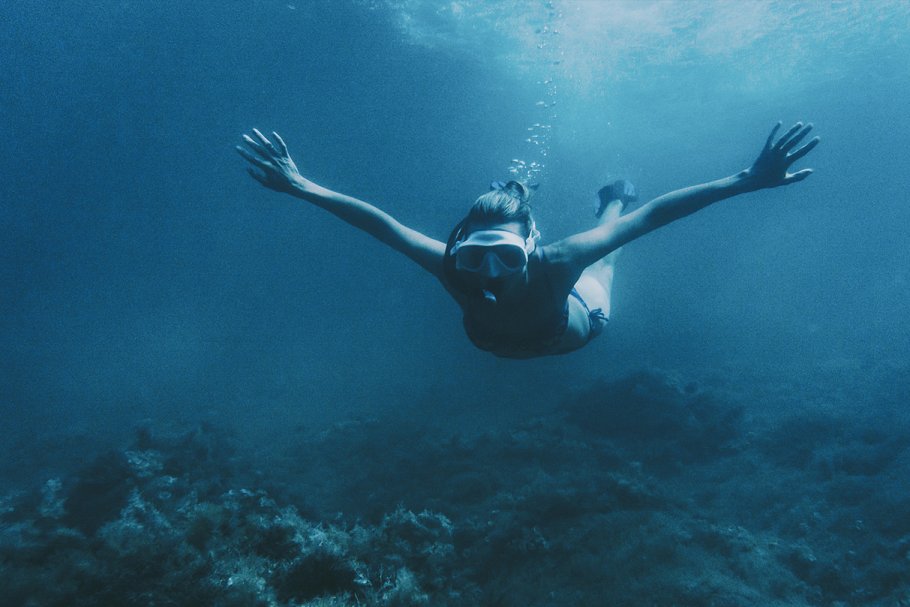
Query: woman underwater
521, 299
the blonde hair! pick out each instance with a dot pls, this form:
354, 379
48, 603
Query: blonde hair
505, 204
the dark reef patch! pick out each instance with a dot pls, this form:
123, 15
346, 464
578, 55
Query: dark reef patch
645, 490
674, 422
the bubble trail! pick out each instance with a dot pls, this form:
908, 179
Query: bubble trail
531, 166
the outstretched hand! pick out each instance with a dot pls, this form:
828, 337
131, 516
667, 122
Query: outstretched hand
771, 168
277, 170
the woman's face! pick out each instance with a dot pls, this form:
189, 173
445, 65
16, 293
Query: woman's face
500, 266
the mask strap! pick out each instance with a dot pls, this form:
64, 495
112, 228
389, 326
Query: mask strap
531, 240
456, 237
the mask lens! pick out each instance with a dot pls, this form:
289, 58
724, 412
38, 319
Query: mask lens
471, 258
511, 257
506, 257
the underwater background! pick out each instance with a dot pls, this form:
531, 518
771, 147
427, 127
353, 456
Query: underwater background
213, 394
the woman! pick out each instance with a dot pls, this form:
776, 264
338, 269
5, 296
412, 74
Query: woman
521, 299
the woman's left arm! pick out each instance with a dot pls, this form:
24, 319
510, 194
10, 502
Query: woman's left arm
273, 167
770, 170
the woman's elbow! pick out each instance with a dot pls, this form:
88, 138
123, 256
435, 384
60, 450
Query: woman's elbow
654, 218
638, 224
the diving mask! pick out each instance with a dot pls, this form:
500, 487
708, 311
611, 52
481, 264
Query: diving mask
493, 253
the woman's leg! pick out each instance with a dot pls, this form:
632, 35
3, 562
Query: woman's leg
596, 282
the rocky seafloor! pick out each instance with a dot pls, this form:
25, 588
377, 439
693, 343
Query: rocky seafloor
647, 490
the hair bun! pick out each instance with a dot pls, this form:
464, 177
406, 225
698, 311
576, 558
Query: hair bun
520, 190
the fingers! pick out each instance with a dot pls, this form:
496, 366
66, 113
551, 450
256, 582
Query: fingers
797, 176
257, 147
796, 138
281, 144
771, 136
788, 134
803, 150
265, 142
252, 158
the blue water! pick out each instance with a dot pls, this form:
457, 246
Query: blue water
148, 280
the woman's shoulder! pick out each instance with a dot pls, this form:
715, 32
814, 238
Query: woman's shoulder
547, 266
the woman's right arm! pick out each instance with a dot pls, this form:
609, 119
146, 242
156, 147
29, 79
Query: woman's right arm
770, 170
277, 171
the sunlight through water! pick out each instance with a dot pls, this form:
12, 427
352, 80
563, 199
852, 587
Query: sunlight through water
569, 50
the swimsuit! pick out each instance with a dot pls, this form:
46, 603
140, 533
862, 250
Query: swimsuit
596, 318
536, 324
533, 326
542, 341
